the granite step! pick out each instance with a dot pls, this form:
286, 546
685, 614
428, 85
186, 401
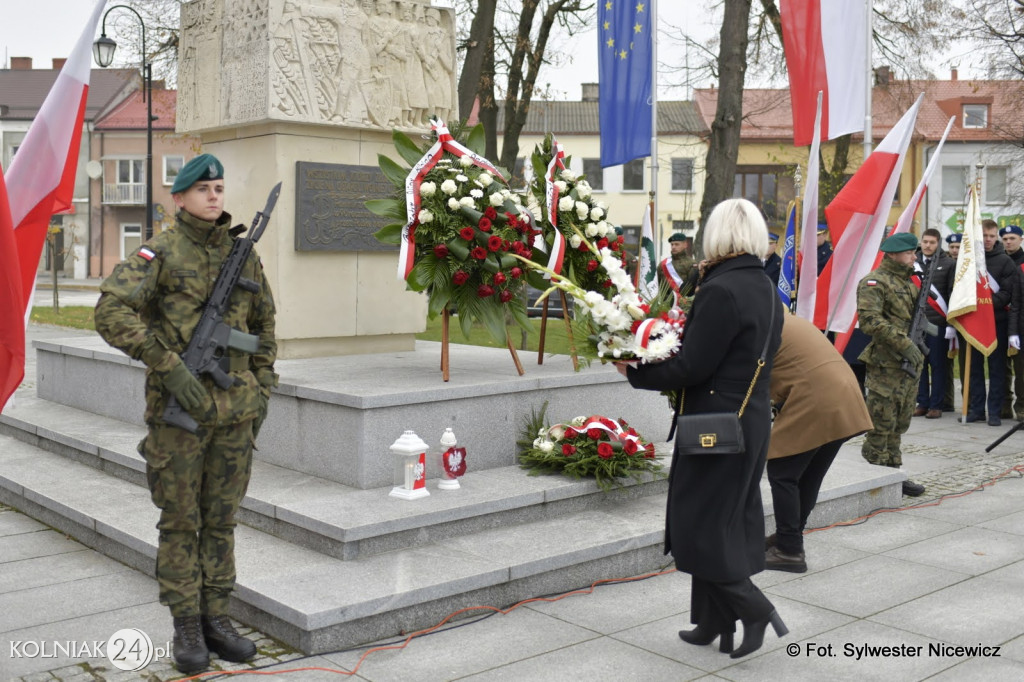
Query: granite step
319, 603
328, 517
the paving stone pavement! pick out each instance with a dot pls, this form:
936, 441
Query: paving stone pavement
922, 576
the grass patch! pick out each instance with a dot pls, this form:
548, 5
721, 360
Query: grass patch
77, 317
555, 338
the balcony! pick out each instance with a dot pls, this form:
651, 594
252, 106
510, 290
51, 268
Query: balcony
125, 194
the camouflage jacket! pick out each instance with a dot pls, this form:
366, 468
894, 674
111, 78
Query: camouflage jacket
886, 298
152, 302
683, 263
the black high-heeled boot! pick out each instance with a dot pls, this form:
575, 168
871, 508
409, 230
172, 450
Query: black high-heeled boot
701, 636
753, 634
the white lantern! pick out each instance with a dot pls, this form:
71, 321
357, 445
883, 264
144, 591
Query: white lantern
410, 467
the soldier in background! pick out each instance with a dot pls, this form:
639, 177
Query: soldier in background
1013, 408
824, 247
773, 263
681, 259
886, 299
149, 308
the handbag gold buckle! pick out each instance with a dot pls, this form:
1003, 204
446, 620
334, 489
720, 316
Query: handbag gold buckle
708, 440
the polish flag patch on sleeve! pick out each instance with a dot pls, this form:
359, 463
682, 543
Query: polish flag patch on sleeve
146, 253
871, 282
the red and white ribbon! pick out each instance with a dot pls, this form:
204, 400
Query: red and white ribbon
645, 330
935, 299
675, 281
445, 143
596, 422
557, 257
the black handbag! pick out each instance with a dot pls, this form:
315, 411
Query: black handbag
716, 433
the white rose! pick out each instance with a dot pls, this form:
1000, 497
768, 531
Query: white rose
582, 210
601, 205
596, 214
485, 179
536, 442
565, 204
467, 202
454, 204
557, 432
560, 186
583, 190
497, 199
546, 446
602, 228
575, 241
590, 230
568, 175
427, 189
449, 187
476, 193
465, 161
516, 199
425, 216
461, 178
579, 421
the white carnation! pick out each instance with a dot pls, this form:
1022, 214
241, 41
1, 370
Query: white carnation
427, 189
425, 216
449, 187
461, 178
465, 161
476, 193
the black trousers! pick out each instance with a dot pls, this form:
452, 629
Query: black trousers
718, 606
795, 483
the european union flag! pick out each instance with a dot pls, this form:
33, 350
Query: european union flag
787, 276
624, 61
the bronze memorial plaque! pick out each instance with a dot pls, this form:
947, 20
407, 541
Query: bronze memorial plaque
329, 211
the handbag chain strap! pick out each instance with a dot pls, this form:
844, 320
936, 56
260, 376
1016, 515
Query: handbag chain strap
757, 371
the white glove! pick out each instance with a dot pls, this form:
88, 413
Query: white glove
950, 333
1015, 342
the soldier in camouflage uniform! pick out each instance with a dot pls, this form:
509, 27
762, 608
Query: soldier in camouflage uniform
149, 307
682, 260
886, 299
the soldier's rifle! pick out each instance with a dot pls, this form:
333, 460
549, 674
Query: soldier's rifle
919, 324
1013, 429
213, 336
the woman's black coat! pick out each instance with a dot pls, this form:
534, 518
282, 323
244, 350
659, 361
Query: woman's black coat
714, 525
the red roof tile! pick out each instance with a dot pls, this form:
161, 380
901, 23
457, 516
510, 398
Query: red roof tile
130, 113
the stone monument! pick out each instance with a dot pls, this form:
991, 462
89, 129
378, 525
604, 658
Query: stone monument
307, 91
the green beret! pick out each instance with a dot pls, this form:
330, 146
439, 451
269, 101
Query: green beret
203, 167
677, 237
897, 243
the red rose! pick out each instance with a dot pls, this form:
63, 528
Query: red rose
591, 265
478, 252
490, 213
505, 296
467, 233
571, 432
568, 450
605, 450
602, 243
649, 451
505, 245
483, 291
459, 277
499, 278
606, 284
484, 224
518, 247
511, 217
621, 239
630, 447
441, 251
516, 273
615, 246
494, 243
595, 434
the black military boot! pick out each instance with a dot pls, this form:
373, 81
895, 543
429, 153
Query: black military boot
190, 652
223, 640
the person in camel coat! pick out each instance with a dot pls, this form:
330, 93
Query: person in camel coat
819, 406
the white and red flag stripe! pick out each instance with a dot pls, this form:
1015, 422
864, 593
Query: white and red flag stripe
552, 195
906, 219
826, 50
856, 220
12, 310
807, 278
41, 179
970, 303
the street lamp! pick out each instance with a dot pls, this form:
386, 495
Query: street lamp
103, 50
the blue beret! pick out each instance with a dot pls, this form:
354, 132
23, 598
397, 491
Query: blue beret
677, 237
1011, 229
900, 242
954, 238
203, 167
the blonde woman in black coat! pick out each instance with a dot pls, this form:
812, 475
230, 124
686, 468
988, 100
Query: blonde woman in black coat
714, 525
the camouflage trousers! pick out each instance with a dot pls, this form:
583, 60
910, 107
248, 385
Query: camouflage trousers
198, 482
891, 398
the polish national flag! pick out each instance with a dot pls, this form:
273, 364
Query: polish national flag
807, 281
41, 179
970, 303
856, 221
907, 217
826, 50
12, 311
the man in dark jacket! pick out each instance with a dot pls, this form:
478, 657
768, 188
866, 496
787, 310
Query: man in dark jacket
1002, 274
824, 248
773, 263
932, 387
1013, 402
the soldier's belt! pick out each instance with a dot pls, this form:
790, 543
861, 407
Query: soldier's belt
234, 363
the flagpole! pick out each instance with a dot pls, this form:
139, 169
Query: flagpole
655, 225
868, 84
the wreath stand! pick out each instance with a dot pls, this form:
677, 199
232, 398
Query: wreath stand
568, 332
445, 363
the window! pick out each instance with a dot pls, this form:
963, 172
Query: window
172, 165
682, 175
595, 174
633, 175
975, 116
131, 238
759, 187
995, 185
954, 184
682, 226
129, 172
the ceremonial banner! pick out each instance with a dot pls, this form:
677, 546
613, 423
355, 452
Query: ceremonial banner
788, 271
826, 50
646, 276
970, 304
12, 310
41, 179
856, 220
807, 284
625, 46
